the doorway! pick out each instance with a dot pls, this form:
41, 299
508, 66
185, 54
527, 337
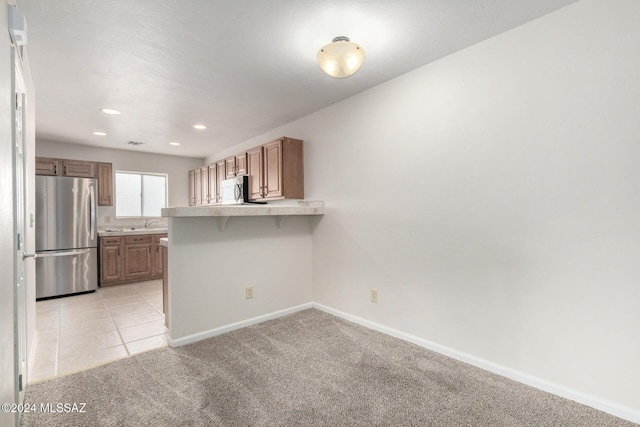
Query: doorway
19, 208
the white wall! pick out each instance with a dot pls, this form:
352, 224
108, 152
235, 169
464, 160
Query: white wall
7, 367
209, 270
492, 198
176, 167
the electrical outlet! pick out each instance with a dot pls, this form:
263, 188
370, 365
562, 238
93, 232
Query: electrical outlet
107, 219
249, 292
374, 295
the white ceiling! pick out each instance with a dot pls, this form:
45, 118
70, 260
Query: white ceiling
241, 67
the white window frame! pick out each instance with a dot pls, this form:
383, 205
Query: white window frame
166, 192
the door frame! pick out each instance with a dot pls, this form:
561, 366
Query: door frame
19, 163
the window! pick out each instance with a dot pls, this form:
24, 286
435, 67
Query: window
140, 194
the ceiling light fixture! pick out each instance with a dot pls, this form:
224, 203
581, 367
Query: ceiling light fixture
341, 58
109, 111
174, 143
199, 127
100, 134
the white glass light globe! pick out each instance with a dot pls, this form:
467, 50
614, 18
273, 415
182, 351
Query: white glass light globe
341, 58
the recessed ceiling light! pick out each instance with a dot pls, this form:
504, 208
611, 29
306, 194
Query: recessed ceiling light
199, 127
174, 143
100, 133
109, 111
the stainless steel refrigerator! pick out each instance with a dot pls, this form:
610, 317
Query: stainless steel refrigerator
66, 236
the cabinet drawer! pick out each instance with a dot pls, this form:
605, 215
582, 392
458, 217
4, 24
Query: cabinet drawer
135, 240
111, 241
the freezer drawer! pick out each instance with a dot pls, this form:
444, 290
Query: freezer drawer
66, 272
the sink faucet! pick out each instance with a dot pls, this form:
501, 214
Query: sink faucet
148, 222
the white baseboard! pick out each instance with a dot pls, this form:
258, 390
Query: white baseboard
232, 327
577, 396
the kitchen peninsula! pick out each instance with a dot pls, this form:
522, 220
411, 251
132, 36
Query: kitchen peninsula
231, 266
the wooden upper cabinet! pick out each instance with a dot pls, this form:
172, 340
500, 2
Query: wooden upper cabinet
213, 183
241, 164
192, 188
230, 166
282, 170
273, 169
105, 184
79, 168
255, 172
47, 166
221, 175
204, 185
198, 186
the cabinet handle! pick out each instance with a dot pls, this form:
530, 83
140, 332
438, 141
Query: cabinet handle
118, 251
55, 169
65, 170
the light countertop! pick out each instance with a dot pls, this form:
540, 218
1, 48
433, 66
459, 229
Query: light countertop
130, 232
302, 208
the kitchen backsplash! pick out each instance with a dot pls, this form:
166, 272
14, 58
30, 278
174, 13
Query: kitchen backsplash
107, 218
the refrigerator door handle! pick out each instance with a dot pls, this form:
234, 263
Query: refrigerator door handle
92, 212
66, 253
25, 255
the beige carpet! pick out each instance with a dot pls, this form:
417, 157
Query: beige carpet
305, 369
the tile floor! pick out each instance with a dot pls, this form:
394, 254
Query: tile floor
82, 331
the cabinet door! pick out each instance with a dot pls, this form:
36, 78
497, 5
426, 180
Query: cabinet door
79, 168
204, 178
110, 265
273, 169
213, 183
110, 259
222, 175
254, 167
198, 186
230, 166
105, 184
46, 166
241, 164
157, 253
137, 257
192, 188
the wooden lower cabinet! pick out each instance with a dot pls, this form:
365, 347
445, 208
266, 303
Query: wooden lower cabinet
137, 257
110, 259
157, 266
128, 259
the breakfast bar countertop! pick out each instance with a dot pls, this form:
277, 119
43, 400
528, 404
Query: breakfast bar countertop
302, 208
